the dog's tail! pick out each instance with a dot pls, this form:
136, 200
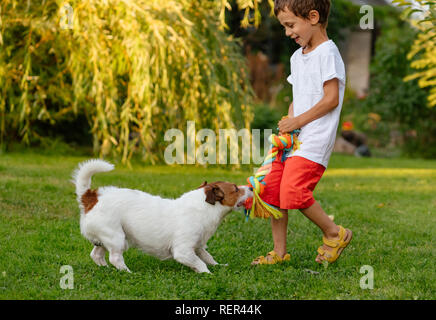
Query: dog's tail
82, 175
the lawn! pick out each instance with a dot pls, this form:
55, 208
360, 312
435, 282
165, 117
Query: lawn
388, 203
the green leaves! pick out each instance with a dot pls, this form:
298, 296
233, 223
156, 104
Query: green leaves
134, 68
423, 51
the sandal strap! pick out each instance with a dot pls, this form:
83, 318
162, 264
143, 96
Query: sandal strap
336, 242
325, 253
336, 245
330, 243
272, 254
277, 258
259, 259
274, 258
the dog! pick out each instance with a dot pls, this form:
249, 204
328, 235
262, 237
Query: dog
114, 219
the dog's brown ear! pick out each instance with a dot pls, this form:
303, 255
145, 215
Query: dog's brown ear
210, 195
213, 194
202, 185
219, 193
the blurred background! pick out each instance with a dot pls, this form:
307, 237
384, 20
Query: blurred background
109, 78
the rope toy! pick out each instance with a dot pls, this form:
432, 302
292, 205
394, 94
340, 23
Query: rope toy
255, 207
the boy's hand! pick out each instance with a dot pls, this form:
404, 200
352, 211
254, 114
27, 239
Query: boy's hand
288, 124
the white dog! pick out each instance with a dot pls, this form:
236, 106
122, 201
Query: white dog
115, 219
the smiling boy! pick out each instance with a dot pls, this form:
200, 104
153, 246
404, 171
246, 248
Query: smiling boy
318, 84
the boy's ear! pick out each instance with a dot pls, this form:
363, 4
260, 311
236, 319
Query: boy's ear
313, 16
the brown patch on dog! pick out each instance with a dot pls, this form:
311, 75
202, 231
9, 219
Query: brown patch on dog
89, 199
225, 192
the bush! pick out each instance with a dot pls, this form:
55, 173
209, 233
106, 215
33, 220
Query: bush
133, 68
265, 117
423, 50
401, 104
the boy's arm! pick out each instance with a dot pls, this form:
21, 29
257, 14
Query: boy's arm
290, 114
329, 102
291, 110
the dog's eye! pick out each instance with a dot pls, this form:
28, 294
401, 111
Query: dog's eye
237, 190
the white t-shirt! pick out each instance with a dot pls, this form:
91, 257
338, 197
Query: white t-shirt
308, 74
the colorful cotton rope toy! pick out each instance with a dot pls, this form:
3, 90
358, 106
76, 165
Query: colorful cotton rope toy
255, 207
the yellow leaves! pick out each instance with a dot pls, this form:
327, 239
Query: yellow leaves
252, 15
432, 97
105, 147
222, 15
401, 2
157, 33
423, 51
243, 4
134, 68
374, 116
413, 76
1, 23
373, 120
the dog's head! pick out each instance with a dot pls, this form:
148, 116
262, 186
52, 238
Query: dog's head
226, 193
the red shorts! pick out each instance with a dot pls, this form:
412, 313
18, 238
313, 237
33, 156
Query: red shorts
290, 184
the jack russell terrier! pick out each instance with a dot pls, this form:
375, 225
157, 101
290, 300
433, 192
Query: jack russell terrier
114, 219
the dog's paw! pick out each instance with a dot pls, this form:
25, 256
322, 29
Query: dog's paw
124, 268
103, 263
203, 271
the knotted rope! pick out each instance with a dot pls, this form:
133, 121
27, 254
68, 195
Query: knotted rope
255, 207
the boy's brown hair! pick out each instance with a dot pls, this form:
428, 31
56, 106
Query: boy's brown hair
301, 8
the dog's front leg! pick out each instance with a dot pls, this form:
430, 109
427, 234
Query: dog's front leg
206, 256
117, 260
188, 257
97, 254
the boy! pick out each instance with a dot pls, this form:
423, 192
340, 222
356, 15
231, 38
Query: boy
318, 84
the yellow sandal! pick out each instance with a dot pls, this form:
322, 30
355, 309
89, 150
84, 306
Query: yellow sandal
337, 245
274, 258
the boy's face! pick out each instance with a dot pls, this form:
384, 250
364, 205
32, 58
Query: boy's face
299, 29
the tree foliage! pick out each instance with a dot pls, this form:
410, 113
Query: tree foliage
423, 51
133, 68
400, 104
251, 8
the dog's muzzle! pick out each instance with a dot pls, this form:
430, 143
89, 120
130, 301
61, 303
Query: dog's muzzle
247, 194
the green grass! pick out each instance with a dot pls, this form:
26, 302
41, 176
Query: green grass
389, 205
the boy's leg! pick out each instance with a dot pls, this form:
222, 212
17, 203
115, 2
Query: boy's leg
271, 195
316, 214
296, 191
279, 229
